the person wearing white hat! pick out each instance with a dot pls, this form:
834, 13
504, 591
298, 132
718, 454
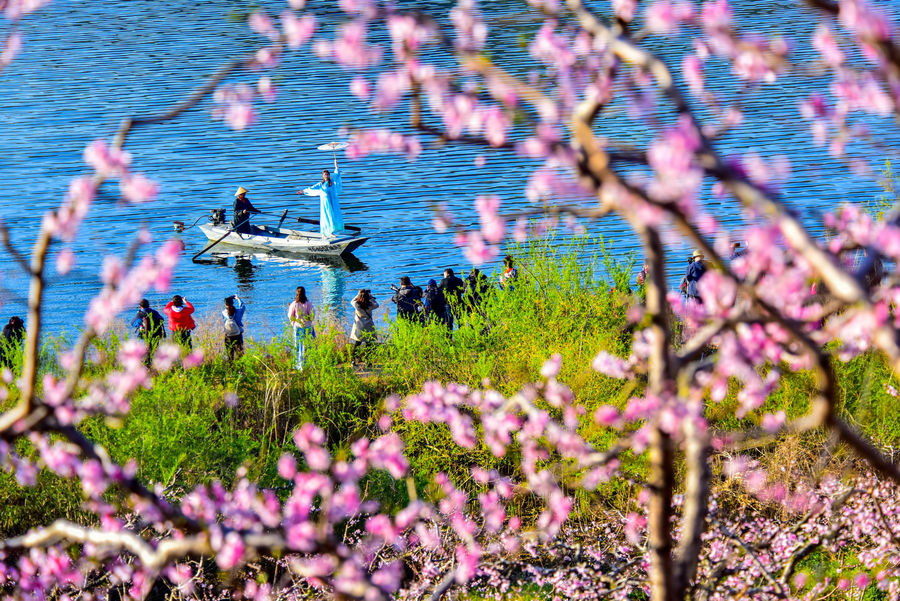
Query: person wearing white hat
242, 211
694, 272
328, 190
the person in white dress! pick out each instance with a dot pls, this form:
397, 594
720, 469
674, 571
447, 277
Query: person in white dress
328, 190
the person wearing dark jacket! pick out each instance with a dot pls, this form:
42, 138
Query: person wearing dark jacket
477, 286
435, 305
243, 208
10, 339
408, 299
150, 326
452, 287
692, 276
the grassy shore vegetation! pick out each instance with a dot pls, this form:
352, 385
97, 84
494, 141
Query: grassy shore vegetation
572, 298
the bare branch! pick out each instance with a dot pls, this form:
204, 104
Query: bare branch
129, 123
12, 250
32, 334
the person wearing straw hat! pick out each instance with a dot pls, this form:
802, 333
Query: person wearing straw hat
328, 190
693, 274
241, 212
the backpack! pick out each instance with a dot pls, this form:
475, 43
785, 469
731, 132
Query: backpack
153, 324
435, 299
231, 326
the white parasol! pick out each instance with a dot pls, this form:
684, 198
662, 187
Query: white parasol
333, 147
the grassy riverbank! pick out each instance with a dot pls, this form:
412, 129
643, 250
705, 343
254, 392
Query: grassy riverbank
569, 300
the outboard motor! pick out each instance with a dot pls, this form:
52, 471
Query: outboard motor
217, 217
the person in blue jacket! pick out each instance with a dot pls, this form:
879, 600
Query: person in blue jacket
233, 323
692, 276
328, 190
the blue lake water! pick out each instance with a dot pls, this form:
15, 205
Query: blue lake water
85, 65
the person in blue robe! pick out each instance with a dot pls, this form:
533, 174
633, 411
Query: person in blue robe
328, 190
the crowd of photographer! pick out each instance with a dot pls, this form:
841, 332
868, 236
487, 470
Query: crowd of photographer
439, 302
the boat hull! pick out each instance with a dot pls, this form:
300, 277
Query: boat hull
286, 240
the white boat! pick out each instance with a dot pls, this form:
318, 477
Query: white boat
287, 240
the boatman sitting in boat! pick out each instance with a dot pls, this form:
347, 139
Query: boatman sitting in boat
241, 213
328, 191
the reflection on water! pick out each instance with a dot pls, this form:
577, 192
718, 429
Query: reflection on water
348, 263
244, 268
333, 287
301, 270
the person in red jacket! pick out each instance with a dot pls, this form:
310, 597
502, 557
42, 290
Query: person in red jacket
181, 323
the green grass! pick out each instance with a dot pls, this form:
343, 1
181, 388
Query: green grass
570, 299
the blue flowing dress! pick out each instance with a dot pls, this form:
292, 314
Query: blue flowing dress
330, 220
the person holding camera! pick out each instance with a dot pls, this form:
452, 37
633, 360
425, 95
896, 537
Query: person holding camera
363, 323
179, 311
10, 340
408, 299
150, 326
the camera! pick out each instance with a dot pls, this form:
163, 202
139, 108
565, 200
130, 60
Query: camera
394, 287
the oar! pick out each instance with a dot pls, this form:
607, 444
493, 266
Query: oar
222, 238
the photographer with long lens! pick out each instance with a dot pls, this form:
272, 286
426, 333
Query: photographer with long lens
408, 299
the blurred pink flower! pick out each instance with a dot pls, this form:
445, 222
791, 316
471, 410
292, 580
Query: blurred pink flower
262, 24
466, 562
824, 42
551, 367
193, 359
266, 89
11, 48
166, 356
287, 466
476, 251
297, 30
772, 422
231, 553
16, 9
606, 415
350, 49
107, 160
93, 478
665, 16
610, 365
692, 69
471, 30
716, 14
624, 9
138, 188
240, 115
360, 87
496, 123
65, 260
858, 16
634, 528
